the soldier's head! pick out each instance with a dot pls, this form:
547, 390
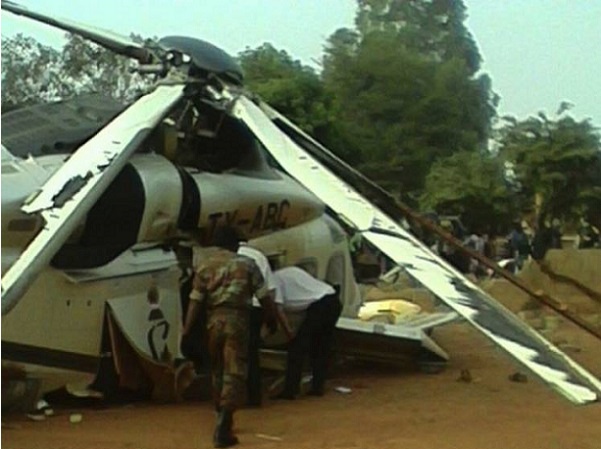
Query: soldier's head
227, 238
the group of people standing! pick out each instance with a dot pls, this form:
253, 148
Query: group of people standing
236, 292
547, 235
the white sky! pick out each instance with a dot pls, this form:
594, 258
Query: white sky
537, 52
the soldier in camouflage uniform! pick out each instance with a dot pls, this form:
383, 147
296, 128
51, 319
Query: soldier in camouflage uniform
224, 283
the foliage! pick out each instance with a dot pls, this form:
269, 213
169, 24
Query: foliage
34, 73
291, 87
295, 90
96, 69
432, 28
400, 97
405, 110
405, 90
558, 161
30, 72
473, 186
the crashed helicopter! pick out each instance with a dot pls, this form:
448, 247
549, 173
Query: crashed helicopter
88, 229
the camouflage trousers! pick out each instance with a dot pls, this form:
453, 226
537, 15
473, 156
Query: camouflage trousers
228, 348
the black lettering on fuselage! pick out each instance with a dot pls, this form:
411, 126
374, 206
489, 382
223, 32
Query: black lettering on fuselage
282, 219
272, 219
213, 220
258, 220
271, 216
153, 337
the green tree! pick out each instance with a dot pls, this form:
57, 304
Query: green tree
95, 69
405, 89
292, 88
403, 110
36, 73
296, 91
471, 185
557, 164
31, 72
432, 28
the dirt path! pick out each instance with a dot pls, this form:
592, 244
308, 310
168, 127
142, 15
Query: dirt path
388, 408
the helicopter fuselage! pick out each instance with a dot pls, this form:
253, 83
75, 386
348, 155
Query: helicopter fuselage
55, 333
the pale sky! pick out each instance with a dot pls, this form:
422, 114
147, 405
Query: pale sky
537, 52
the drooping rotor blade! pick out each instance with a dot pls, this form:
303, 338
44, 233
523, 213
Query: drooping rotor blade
479, 309
68, 195
112, 41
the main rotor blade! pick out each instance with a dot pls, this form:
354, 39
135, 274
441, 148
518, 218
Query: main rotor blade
478, 308
108, 39
70, 193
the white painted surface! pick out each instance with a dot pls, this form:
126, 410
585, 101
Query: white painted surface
445, 282
99, 160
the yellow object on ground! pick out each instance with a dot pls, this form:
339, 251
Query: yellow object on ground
390, 311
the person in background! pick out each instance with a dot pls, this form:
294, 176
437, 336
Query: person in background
542, 240
300, 292
588, 235
476, 243
556, 234
519, 246
224, 283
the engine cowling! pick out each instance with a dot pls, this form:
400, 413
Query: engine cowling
153, 200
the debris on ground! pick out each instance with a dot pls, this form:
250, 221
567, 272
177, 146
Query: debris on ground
343, 390
268, 437
75, 418
465, 376
518, 377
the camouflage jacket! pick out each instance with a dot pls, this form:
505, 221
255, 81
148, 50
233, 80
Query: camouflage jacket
225, 279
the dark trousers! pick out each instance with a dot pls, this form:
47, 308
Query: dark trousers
253, 382
195, 346
314, 338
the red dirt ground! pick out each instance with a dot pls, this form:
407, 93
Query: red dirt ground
387, 408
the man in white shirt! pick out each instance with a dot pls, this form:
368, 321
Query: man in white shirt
301, 291
254, 390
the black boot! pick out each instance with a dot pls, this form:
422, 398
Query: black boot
224, 436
